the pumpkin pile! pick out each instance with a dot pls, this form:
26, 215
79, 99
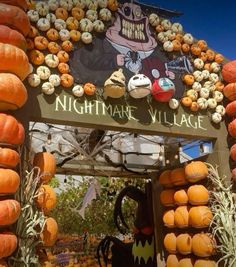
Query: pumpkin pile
185, 199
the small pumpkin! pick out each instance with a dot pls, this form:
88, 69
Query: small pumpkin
196, 171
9, 211
89, 88
105, 14
9, 182
195, 49
30, 44
167, 197
34, 80
63, 68
33, 15
77, 13
185, 48
159, 28
203, 245
43, 24
67, 46
177, 176
186, 262
188, 38
92, 15
202, 44
51, 60
164, 178
154, 19
184, 244
51, 17
50, 231
176, 45
9, 158
53, 47
40, 42
112, 5
61, 13
55, 80
52, 34
204, 263
63, 56
8, 244
219, 86
198, 195
86, 25
98, 26
72, 23
86, 37
36, 57
181, 197
194, 106
169, 218
43, 72
200, 216
182, 217
60, 24
78, 90
210, 54
67, 80
170, 242
46, 198
172, 261
47, 88
188, 79
75, 35
219, 58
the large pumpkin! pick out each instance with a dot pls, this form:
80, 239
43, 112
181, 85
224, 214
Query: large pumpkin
167, 197
49, 234
233, 152
8, 244
15, 18
229, 72
182, 217
11, 131
9, 158
47, 198
13, 93
231, 109
9, 181
230, 91
196, 171
9, 211
198, 195
184, 244
204, 263
20, 3
232, 128
170, 242
203, 245
177, 176
47, 164
14, 60
200, 216
10, 36
3, 263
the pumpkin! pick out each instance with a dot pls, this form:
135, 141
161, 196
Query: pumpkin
36, 57
230, 91
202, 103
51, 17
43, 72
11, 131
9, 211
75, 35
231, 109
102, 3
51, 60
187, 101
34, 80
203, 56
198, 63
204, 263
8, 244
59, 24
194, 107
55, 80
43, 24
180, 197
179, 37
67, 4
176, 45
61, 13
219, 86
9, 158
198, 195
67, 46
47, 165
204, 92
218, 96
188, 79
89, 89
212, 103
112, 5
167, 197
182, 217
172, 261
15, 18
30, 44
9, 181
13, 93
169, 218
173, 103
184, 244
52, 34
221, 110
42, 8
49, 234
72, 23
40, 42
166, 24
63, 56
177, 28
216, 117
86, 37
14, 60
92, 4
48, 88
177, 176
139, 86
98, 26
170, 242
159, 28
198, 76
63, 68
3, 263
168, 46
67, 80
185, 48
215, 67
196, 171
33, 15
77, 13
86, 25
78, 90
53, 47
195, 49
200, 216
210, 54
233, 152
188, 38
20, 3
192, 94
219, 58
164, 178
202, 44
154, 19
64, 35
203, 245
186, 262
46, 198
105, 14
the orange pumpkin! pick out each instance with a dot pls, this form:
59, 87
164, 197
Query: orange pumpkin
177, 176
47, 198
229, 91
53, 47
229, 72
20, 3
75, 35
179, 37
40, 42
176, 45
184, 244
13, 93
52, 34
185, 48
219, 58
67, 80
9, 181
231, 109
187, 101
63, 56
196, 171
61, 13
194, 106
186, 262
207, 66
14, 60
63, 68
169, 218
172, 261
210, 54
8, 244
67, 46
203, 245
77, 13
219, 86
47, 165
170, 242
15, 18
9, 158
200, 216
203, 56
188, 79
164, 178
11, 131
204, 263
9, 211
50, 231
3, 263
89, 89
33, 32
112, 5
182, 217
167, 197
30, 44
10, 36
195, 49
198, 195
36, 57
232, 128
202, 44
181, 197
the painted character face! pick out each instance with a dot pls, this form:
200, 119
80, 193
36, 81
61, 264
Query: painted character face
131, 29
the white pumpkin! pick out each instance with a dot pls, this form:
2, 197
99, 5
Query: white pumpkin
67, 4
205, 74
197, 86
215, 67
166, 24
105, 14
198, 76
221, 110
86, 25
86, 37
64, 35
188, 38
53, 5
98, 26
51, 60
43, 24
43, 72
78, 90
92, 4
51, 17
216, 117
214, 77
173, 103
60, 24
139, 86
161, 36
102, 3
212, 103
202, 103
80, 3
33, 15
198, 63
177, 27
168, 46
192, 94
170, 35
42, 8
55, 80
204, 92
210, 86
218, 96
154, 19
48, 88
91, 15
34, 80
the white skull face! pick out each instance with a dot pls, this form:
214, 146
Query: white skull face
139, 86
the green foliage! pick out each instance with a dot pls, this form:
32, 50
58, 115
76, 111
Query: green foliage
98, 215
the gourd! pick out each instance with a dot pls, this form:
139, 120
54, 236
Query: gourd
8, 244
9, 211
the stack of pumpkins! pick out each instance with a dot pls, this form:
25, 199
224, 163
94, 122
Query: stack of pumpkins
187, 212
46, 199
14, 68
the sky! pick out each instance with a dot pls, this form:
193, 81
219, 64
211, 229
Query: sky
211, 20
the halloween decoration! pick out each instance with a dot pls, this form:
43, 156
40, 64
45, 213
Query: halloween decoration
9, 211
114, 86
8, 244
163, 89
139, 86
173, 103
